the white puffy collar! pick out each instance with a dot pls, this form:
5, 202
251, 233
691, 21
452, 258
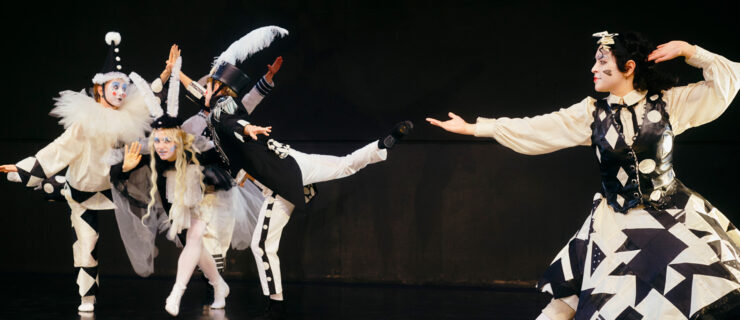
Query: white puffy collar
127, 123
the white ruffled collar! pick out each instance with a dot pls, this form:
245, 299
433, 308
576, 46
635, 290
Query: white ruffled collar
127, 123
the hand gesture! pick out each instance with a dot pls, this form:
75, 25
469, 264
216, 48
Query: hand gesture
8, 168
455, 124
253, 131
273, 68
132, 156
174, 54
671, 50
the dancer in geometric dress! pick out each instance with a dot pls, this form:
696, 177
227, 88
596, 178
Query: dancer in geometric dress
651, 247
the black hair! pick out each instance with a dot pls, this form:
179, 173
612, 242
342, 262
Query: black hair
634, 46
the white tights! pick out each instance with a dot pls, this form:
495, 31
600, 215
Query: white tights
195, 254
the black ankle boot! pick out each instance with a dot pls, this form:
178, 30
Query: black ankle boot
401, 130
275, 310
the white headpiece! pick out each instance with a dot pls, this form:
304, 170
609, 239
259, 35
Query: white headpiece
606, 39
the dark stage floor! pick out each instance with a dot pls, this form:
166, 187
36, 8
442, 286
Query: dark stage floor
54, 297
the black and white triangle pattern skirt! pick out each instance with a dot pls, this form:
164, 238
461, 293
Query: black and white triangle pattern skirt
677, 263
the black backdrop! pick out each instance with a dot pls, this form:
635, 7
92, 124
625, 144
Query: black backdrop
444, 209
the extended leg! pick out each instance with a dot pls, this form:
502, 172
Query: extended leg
318, 168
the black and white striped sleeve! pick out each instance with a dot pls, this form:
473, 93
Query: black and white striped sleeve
255, 96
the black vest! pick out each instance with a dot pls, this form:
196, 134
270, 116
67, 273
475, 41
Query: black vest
643, 172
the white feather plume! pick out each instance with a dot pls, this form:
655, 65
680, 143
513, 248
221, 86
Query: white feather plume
113, 38
249, 44
174, 91
155, 110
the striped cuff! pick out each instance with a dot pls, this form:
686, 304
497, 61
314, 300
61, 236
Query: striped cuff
263, 87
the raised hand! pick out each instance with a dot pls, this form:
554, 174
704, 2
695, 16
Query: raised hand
174, 54
253, 131
8, 168
132, 156
455, 124
671, 50
273, 68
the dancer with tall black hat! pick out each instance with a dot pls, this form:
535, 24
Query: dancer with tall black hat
114, 113
651, 247
279, 170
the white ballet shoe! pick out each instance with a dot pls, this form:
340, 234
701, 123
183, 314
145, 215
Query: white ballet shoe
220, 292
172, 304
87, 304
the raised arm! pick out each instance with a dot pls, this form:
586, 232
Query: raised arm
536, 135
263, 87
158, 84
702, 102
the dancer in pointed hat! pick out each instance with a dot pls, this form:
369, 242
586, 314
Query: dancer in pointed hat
114, 113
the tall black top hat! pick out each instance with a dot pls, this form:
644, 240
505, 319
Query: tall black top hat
112, 68
231, 76
224, 67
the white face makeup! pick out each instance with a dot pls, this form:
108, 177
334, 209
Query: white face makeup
164, 146
606, 74
115, 91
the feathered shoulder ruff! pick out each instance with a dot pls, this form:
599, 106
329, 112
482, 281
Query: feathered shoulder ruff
128, 123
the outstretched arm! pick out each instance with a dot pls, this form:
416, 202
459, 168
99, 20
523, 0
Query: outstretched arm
50, 160
699, 103
536, 135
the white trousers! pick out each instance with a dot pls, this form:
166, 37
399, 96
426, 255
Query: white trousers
275, 211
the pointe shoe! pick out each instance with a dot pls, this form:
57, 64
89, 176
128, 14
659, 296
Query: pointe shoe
87, 304
401, 130
220, 292
172, 304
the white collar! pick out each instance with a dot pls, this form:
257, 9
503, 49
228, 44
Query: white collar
629, 99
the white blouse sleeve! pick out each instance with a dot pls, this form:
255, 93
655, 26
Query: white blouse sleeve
542, 134
699, 103
62, 151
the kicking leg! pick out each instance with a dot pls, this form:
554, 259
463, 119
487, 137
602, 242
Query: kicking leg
318, 167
